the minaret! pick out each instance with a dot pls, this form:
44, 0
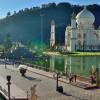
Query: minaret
52, 34
73, 33
73, 20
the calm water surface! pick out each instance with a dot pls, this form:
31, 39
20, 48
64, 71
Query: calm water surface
67, 64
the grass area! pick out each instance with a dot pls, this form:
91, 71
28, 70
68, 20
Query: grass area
73, 53
1, 47
84, 54
52, 53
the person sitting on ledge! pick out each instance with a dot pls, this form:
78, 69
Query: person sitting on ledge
71, 77
93, 79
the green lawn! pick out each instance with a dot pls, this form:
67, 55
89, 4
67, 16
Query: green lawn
73, 53
85, 54
1, 47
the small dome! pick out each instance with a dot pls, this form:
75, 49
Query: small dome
85, 17
52, 22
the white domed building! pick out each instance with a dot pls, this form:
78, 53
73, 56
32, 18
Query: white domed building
81, 35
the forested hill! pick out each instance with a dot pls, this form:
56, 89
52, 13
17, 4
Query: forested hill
25, 25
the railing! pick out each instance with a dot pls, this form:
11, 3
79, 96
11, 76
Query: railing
4, 91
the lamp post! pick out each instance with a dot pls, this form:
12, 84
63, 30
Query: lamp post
9, 83
5, 62
41, 15
58, 76
58, 88
46, 63
13, 60
5, 53
12, 57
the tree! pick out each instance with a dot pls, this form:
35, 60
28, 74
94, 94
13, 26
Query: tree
20, 11
66, 5
7, 42
7, 45
14, 12
8, 14
26, 9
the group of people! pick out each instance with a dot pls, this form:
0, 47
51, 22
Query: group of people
93, 78
72, 77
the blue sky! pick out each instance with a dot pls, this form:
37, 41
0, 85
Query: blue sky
15, 5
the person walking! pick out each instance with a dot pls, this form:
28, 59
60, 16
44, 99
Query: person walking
71, 78
75, 76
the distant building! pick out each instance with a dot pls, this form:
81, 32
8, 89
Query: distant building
52, 34
81, 35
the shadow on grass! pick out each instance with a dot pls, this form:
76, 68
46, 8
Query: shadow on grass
31, 78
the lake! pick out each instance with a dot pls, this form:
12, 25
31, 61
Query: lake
68, 64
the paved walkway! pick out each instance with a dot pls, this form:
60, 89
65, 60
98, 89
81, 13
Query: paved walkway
79, 83
15, 91
46, 87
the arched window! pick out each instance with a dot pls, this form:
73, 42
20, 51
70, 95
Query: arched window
79, 35
79, 43
84, 35
84, 42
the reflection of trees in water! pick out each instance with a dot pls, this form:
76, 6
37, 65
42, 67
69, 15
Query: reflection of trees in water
59, 63
52, 62
84, 62
77, 65
66, 66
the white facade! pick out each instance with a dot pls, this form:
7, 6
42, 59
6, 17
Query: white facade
52, 34
81, 35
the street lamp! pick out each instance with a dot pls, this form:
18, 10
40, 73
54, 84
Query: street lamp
46, 63
41, 15
57, 81
58, 88
13, 59
5, 58
9, 83
12, 53
5, 63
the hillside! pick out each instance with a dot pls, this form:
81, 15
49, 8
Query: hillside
25, 26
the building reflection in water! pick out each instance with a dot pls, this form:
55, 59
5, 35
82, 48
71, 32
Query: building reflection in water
67, 65
52, 63
77, 65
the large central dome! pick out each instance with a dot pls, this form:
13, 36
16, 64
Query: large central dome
85, 17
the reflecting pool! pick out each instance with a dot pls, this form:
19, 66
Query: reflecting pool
68, 64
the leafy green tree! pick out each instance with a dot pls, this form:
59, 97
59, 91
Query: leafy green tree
7, 42
14, 12
8, 14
